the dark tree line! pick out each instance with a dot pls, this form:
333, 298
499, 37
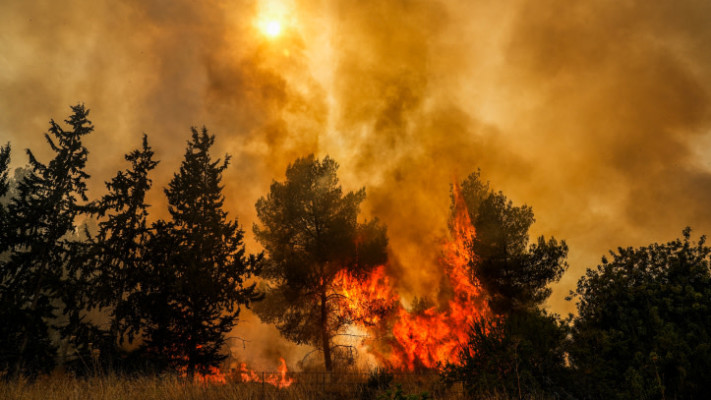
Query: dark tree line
41, 276
174, 287
642, 331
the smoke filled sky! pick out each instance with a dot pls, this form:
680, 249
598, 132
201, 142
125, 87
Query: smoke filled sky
594, 113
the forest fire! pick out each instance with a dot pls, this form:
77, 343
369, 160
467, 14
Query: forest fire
292, 197
434, 336
424, 337
427, 336
214, 377
278, 380
366, 301
420, 338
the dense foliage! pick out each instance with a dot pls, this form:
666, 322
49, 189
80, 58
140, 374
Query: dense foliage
310, 231
519, 356
173, 288
514, 273
198, 267
120, 255
42, 277
520, 351
643, 328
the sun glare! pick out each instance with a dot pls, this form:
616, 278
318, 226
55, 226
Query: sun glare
274, 18
272, 29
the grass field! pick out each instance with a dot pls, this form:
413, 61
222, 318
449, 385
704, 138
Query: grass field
306, 386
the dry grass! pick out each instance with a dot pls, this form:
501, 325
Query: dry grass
119, 388
312, 386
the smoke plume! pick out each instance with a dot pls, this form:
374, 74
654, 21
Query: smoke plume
596, 114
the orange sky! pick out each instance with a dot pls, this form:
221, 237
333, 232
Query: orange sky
596, 114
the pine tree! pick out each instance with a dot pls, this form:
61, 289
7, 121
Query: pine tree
519, 352
514, 272
310, 230
120, 248
39, 281
196, 285
4, 187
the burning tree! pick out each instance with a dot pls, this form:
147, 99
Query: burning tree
193, 292
429, 335
514, 274
310, 231
519, 349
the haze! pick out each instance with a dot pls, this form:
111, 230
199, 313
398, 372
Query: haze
596, 114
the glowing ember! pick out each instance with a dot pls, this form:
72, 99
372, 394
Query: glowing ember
215, 376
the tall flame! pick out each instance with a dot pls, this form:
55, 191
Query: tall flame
430, 338
399, 338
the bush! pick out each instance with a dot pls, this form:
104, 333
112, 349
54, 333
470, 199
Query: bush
518, 356
644, 323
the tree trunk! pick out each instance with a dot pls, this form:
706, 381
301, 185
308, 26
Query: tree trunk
33, 306
325, 339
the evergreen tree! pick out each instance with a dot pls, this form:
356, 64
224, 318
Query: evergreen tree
120, 248
4, 187
515, 274
40, 281
520, 352
311, 233
196, 283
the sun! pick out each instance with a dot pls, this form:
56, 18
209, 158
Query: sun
272, 28
274, 18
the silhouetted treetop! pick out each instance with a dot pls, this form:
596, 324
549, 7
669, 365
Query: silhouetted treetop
43, 277
197, 281
310, 231
643, 328
513, 271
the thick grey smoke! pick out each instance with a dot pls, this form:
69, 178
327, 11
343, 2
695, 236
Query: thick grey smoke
594, 113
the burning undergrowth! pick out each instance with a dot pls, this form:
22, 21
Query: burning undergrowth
243, 373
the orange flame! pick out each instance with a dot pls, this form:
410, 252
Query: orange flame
414, 339
278, 380
365, 301
214, 377
431, 338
